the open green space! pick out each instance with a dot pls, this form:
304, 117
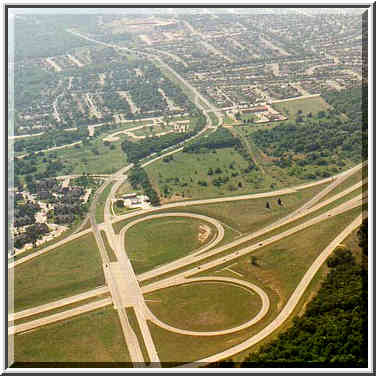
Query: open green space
204, 306
340, 300
227, 120
256, 239
92, 157
271, 275
67, 270
203, 175
252, 215
306, 105
96, 158
91, 337
161, 240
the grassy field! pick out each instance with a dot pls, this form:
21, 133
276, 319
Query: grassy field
92, 337
250, 215
204, 306
290, 108
258, 238
158, 241
83, 159
65, 271
186, 175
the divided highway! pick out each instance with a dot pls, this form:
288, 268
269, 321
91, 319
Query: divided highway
123, 284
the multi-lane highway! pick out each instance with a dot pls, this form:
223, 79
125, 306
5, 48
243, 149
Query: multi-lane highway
124, 285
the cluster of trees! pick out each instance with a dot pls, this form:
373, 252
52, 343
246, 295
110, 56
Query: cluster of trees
332, 332
31, 235
138, 150
139, 179
24, 214
322, 141
221, 138
354, 103
351, 102
50, 139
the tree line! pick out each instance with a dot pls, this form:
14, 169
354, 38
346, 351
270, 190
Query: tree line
221, 138
138, 150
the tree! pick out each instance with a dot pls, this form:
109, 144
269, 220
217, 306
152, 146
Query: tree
119, 203
254, 260
341, 255
362, 235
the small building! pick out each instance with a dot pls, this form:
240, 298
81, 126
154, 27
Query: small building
129, 195
255, 109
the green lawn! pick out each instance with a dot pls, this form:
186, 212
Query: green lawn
250, 215
67, 270
161, 240
92, 337
84, 160
291, 107
181, 177
204, 306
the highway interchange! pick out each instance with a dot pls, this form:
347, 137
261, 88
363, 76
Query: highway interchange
127, 290
124, 286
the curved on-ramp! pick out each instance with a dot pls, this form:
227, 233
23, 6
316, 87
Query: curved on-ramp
212, 243
247, 285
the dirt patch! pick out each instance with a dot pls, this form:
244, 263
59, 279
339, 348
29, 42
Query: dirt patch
203, 233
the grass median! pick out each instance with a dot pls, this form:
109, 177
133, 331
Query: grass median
91, 337
67, 270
